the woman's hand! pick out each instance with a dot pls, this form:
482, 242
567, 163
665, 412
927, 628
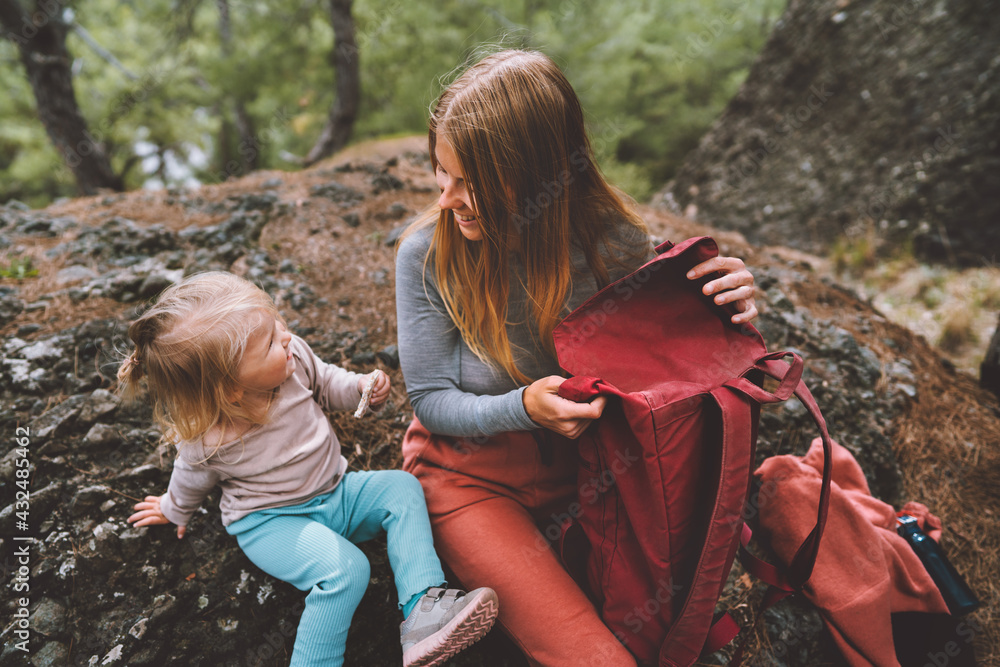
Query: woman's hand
149, 514
734, 286
550, 410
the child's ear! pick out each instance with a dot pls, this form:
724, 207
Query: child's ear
236, 395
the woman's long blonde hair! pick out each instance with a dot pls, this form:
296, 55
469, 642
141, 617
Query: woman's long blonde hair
517, 128
188, 348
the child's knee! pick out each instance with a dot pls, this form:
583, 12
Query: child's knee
357, 565
408, 492
398, 484
351, 573
359, 577
406, 482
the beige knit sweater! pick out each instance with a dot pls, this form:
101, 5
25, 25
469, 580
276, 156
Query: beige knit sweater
292, 458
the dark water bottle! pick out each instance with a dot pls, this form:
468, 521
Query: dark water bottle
956, 593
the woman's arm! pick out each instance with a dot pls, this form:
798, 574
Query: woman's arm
430, 353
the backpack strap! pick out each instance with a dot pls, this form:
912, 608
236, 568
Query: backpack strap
695, 617
724, 628
800, 568
766, 572
781, 584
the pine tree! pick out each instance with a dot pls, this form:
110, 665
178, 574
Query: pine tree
40, 36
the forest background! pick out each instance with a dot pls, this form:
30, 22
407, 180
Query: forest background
180, 92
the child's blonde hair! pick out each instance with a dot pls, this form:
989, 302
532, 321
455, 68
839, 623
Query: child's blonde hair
188, 348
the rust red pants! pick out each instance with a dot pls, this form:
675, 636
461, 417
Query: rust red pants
496, 510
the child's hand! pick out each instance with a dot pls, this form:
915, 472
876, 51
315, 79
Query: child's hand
149, 514
380, 392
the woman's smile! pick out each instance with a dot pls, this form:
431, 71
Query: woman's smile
455, 194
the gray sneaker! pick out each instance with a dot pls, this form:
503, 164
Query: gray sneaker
444, 622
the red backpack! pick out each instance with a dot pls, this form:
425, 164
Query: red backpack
665, 473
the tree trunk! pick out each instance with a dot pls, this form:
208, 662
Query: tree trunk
41, 40
989, 370
344, 58
248, 148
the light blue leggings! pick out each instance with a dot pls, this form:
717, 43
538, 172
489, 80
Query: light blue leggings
311, 547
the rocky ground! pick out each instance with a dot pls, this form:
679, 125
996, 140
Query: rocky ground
867, 126
320, 241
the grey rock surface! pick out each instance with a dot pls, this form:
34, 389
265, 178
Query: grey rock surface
873, 122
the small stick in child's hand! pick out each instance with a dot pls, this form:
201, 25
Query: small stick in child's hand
366, 395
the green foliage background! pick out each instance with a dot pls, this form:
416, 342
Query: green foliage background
652, 76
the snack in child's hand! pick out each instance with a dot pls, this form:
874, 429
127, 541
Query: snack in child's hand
366, 395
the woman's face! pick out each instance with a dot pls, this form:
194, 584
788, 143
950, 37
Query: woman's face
455, 194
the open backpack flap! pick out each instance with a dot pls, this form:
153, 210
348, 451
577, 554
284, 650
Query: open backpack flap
665, 472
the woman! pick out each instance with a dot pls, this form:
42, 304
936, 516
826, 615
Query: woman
525, 230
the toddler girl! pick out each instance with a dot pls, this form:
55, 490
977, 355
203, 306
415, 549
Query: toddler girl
243, 400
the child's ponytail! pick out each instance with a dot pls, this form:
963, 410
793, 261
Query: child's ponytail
143, 333
130, 376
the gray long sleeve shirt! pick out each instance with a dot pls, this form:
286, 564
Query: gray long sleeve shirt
286, 461
452, 391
